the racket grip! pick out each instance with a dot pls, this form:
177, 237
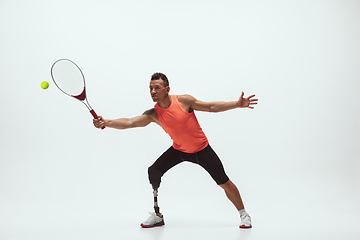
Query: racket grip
93, 113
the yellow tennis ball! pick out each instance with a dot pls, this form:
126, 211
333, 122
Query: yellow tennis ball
44, 85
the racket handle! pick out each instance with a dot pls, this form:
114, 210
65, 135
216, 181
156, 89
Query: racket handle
93, 113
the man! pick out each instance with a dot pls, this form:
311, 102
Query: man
175, 114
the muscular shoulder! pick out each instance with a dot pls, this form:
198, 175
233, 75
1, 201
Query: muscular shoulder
186, 101
149, 112
152, 114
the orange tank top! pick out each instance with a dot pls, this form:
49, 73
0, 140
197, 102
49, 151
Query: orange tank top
183, 127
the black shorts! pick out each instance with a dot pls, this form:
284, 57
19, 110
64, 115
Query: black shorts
206, 158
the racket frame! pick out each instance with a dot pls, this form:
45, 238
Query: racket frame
82, 96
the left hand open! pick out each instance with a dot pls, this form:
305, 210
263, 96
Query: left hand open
246, 102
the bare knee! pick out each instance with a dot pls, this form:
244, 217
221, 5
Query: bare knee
226, 186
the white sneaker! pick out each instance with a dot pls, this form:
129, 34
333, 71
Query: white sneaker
245, 220
153, 221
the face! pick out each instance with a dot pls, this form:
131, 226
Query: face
158, 91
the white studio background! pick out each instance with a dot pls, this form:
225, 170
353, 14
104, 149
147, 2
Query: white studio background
295, 158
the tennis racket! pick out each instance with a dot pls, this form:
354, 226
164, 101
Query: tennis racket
69, 78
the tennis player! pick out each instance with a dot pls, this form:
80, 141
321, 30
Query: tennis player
175, 114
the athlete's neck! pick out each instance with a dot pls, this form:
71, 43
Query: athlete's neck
165, 103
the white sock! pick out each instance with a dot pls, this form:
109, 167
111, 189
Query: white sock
242, 211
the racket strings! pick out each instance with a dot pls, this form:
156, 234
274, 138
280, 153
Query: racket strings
68, 77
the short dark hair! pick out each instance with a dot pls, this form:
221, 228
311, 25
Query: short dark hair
157, 76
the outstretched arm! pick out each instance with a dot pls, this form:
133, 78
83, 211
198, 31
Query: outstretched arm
125, 123
195, 104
